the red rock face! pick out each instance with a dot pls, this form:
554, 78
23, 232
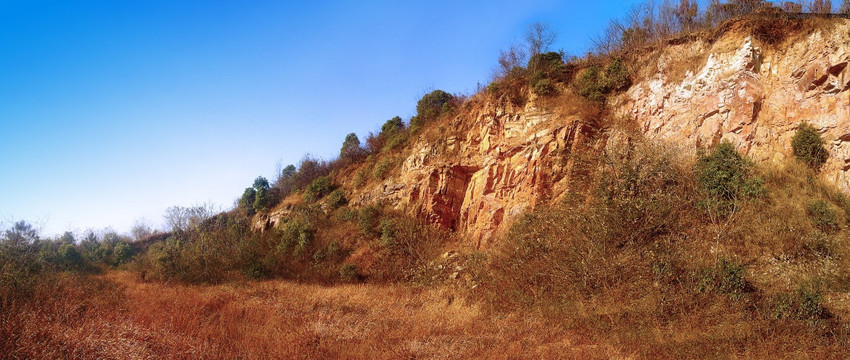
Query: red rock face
504, 161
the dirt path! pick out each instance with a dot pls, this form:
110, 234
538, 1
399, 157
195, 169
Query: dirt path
279, 319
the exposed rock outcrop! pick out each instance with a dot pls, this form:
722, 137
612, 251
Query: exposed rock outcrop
495, 160
752, 95
508, 159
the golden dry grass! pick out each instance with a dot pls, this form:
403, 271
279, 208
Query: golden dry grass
278, 320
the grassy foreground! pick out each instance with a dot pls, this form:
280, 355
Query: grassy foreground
117, 316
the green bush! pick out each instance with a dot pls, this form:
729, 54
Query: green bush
391, 126
70, 258
822, 215
296, 234
544, 87
395, 140
360, 178
367, 220
318, 188
387, 230
351, 147
121, 253
337, 199
808, 146
348, 272
246, 202
257, 197
725, 178
615, 77
433, 105
261, 199
546, 69
806, 303
334, 250
550, 64
810, 306
344, 214
727, 277
587, 84
594, 84
382, 168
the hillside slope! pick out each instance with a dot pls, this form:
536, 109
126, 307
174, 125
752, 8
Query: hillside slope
494, 159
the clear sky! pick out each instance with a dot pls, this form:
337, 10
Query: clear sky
112, 111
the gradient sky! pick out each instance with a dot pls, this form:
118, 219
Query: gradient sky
112, 111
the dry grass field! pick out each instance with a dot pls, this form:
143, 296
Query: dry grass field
275, 319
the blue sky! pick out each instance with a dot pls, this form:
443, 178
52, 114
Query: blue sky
112, 111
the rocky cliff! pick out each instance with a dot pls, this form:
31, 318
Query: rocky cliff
490, 165
495, 159
752, 94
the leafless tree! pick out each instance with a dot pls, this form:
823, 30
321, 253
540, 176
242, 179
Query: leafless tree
610, 40
141, 229
510, 59
746, 7
845, 7
180, 218
539, 38
686, 14
820, 6
792, 7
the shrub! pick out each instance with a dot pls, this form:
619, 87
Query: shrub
544, 87
246, 202
594, 84
255, 198
387, 230
806, 303
725, 178
616, 77
433, 105
337, 199
351, 150
550, 64
297, 234
822, 215
367, 220
395, 140
407, 245
381, 169
348, 272
416, 123
809, 306
808, 146
727, 277
546, 69
318, 188
70, 258
345, 214
391, 126
587, 84
121, 254
334, 250
261, 200
641, 190
360, 178
309, 169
